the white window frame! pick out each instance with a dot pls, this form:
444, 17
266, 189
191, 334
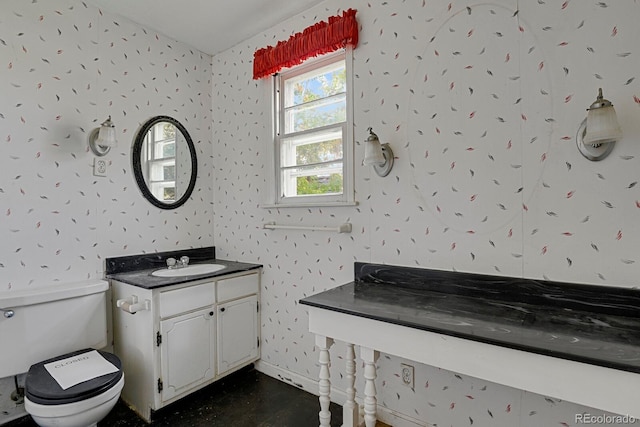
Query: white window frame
154, 141
276, 197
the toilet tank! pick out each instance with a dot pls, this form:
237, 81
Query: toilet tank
50, 321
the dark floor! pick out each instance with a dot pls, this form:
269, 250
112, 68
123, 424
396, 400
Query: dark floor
244, 399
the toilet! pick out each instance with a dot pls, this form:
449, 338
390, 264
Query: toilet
81, 405
62, 325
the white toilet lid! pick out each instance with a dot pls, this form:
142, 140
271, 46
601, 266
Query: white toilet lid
42, 388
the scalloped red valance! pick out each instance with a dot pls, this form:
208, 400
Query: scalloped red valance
320, 38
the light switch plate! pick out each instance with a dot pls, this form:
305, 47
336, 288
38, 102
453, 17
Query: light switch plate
99, 167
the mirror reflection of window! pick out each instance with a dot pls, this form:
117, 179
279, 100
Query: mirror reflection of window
183, 164
164, 162
160, 161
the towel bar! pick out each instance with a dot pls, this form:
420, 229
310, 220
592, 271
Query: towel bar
342, 228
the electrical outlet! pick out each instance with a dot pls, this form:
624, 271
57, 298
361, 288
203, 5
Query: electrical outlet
406, 374
99, 167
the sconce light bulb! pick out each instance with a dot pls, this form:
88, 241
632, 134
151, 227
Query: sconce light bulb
373, 150
380, 156
101, 139
599, 131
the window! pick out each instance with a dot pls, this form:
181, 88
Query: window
159, 161
313, 133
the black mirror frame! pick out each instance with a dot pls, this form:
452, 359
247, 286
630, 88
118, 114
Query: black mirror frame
136, 162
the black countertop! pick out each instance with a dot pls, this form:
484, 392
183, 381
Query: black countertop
599, 325
136, 269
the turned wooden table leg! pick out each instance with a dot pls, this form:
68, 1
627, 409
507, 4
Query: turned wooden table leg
369, 357
350, 408
324, 383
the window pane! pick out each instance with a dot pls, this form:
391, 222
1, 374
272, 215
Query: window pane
164, 149
319, 83
169, 194
165, 191
163, 143
323, 112
169, 149
162, 170
303, 181
319, 184
164, 131
325, 146
168, 131
169, 172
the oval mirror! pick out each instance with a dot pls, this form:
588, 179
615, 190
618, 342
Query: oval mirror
164, 162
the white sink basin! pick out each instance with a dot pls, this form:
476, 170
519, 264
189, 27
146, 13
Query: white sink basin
190, 270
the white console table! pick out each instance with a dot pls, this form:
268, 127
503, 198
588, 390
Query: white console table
574, 342
590, 385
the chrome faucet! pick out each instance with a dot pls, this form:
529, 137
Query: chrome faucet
172, 263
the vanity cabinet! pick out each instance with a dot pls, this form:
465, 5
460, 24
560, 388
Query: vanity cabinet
186, 337
238, 340
181, 370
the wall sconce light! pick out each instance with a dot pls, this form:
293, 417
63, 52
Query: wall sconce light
101, 139
380, 156
599, 132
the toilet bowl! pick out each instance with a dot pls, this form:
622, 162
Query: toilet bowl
81, 405
54, 322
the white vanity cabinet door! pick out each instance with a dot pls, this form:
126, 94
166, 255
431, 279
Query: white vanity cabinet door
187, 351
237, 333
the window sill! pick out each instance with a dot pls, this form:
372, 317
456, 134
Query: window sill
308, 205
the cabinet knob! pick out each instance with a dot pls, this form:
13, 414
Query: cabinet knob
222, 309
211, 313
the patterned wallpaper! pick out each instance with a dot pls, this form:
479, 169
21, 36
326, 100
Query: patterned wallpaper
480, 103
64, 67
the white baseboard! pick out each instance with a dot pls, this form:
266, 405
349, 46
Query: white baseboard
388, 416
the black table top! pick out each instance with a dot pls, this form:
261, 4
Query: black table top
594, 324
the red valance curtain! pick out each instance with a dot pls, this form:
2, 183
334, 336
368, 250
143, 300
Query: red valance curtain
315, 40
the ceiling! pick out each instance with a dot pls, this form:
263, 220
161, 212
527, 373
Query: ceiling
211, 26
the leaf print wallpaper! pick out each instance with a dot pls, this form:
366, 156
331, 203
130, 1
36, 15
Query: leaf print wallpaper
480, 102
65, 66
